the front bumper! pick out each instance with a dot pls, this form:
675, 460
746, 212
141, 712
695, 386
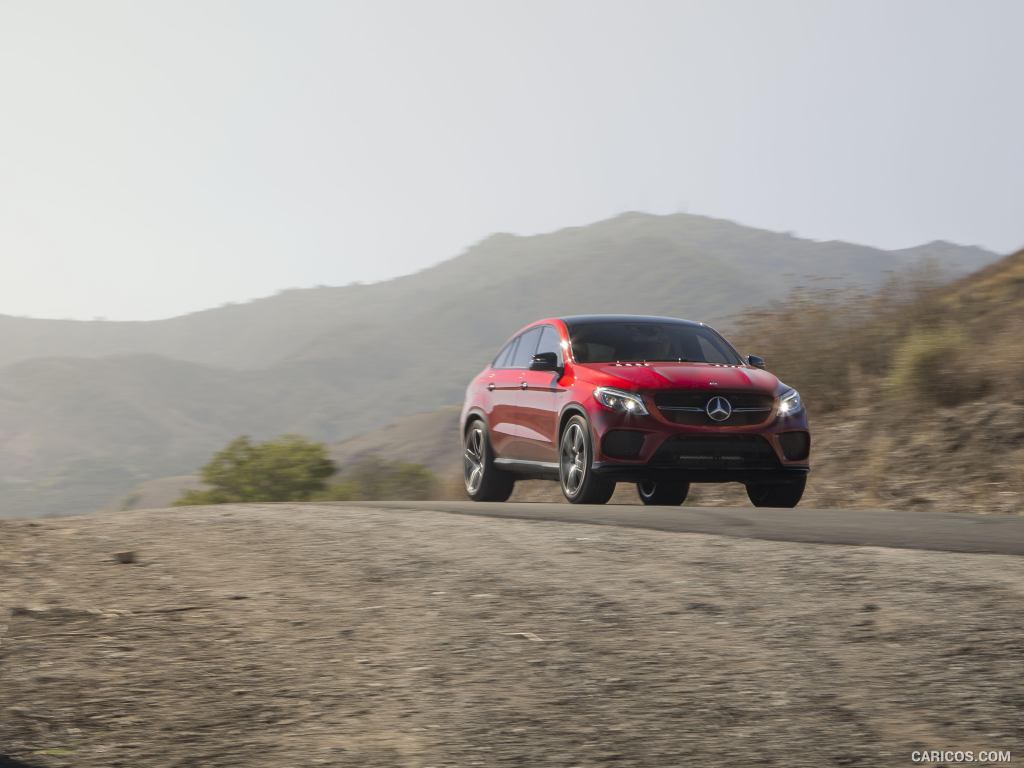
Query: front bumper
634, 448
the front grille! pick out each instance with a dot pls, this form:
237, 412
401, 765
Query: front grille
687, 406
716, 452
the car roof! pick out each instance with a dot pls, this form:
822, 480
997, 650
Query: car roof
625, 318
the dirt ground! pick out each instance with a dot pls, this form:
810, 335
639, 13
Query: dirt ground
277, 635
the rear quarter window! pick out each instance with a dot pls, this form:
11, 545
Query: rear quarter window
505, 356
527, 348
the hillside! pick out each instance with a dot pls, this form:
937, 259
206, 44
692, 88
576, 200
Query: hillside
73, 430
89, 410
954, 456
993, 295
430, 438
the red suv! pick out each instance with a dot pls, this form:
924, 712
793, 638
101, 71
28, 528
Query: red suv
593, 400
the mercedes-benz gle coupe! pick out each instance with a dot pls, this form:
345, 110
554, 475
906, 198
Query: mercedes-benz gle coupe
593, 400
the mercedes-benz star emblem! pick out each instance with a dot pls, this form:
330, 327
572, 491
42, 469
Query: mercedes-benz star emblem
718, 409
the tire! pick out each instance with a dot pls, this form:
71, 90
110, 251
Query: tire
483, 480
777, 495
668, 494
580, 485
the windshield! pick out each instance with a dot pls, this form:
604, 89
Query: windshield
611, 341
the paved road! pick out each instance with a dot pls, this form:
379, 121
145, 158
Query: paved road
943, 531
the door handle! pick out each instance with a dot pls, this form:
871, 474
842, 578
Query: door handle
490, 387
523, 385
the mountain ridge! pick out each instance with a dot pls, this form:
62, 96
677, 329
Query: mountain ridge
253, 336
89, 410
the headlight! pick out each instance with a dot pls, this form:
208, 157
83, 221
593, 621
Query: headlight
789, 402
617, 400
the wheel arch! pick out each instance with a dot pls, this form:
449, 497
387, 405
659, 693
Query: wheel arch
473, 414
570, 410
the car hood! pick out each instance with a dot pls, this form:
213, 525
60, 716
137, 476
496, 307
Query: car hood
650, 376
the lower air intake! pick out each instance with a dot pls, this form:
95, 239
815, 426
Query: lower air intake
623, 444
796, 446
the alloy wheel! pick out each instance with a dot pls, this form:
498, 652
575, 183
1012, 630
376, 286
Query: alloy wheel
473, 459
573, 459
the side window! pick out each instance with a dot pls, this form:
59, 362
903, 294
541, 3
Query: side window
526, 349
549, 342
503, 360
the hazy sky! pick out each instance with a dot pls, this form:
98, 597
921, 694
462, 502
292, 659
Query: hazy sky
161, 157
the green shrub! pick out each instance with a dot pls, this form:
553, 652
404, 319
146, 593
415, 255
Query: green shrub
288, 468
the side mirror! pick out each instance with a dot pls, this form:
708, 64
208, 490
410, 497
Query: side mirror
757, 362
544, 361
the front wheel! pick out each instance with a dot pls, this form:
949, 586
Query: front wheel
580, 485
662, 493
484, 481
788, 495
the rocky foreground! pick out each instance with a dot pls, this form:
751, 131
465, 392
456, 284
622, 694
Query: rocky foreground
301, 635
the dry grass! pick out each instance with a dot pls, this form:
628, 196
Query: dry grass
915, 340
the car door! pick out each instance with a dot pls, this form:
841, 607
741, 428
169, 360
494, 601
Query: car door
503, 385
507, 390
539, 404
